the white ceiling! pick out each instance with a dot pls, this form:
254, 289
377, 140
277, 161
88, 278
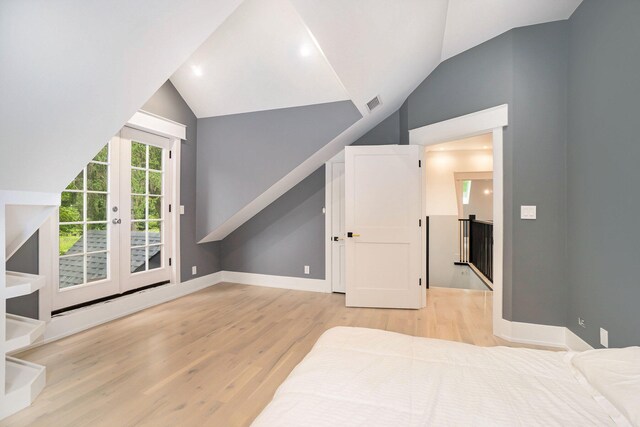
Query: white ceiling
73, 73
472, 22
262, 58
365, 48
378, 47
286, 53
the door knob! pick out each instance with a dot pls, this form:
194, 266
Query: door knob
116, 221
351, 234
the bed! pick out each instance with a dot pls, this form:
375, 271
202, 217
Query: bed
367, 377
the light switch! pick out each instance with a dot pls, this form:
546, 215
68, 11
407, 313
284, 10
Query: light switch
181, 209
527, 212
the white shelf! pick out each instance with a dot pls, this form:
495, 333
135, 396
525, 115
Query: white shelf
23, 382
22, 332
18, 284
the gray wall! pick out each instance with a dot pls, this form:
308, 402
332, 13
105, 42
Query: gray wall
289, 233
25, 260
603, 171
168, 103
525, 68
284, 237
539, 280
241, 155
477, 79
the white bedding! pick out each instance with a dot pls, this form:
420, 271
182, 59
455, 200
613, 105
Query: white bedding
367, 377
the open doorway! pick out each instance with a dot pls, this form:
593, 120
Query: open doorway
459, 206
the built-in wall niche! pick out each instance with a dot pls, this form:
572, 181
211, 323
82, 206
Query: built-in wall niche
21, 214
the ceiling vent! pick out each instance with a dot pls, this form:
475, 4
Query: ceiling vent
373, 104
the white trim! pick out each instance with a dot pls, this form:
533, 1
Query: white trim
280, 282
8, 197
544, 335
491, 120
531, 333
154, 126
498, 228
175, 212
461, 127
84, 318
574, 342
46, 242
328, 205
153, 123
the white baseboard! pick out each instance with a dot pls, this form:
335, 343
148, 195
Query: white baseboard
88, 317
576, 343
281, 282
530, 333
544, 335
97, 314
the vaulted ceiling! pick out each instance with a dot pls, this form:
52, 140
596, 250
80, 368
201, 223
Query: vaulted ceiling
287, 53
275, 54
73, 72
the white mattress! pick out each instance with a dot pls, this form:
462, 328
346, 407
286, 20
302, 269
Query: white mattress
367, 377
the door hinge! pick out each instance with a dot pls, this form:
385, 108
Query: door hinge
420, 282
169, 153
169, 262
419, 163
169, 208
419, 223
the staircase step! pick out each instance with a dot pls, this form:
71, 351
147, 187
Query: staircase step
19, 284
21, 332
23, 382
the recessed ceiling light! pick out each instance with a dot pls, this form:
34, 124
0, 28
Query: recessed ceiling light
305, 51
485, 147
196, 70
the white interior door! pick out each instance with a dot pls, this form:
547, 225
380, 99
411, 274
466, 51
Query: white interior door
338, 278
382, 220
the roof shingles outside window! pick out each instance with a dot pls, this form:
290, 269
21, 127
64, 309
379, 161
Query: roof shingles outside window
71, 268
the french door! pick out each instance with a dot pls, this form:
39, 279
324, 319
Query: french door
114, 221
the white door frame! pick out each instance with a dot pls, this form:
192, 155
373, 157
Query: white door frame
328, 203
492, 120
48, 233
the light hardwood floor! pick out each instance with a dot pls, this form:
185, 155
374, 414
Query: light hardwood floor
215, 358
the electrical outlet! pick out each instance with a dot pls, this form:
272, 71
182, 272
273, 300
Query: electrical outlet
306, 269
581, 322
194, 270
604, 337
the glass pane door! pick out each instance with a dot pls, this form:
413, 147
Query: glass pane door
147, 177
115, 222
85, 235
147, 227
